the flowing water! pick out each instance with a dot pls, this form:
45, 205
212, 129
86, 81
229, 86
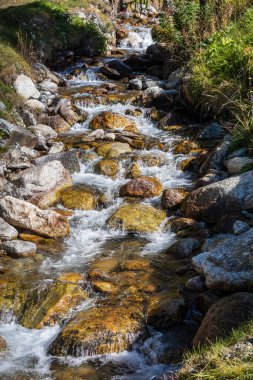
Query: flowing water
91, 240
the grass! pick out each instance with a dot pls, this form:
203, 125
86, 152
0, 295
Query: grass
227, 359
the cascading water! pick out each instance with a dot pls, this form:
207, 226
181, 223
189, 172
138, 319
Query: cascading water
90, 239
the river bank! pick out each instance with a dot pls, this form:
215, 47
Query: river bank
125, 221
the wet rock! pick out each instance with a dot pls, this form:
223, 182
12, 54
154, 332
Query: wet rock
116, 69
165, 309
213, 131
25, 215
226, 314
7, 232
107, 166
15, 134
100, 330
3, 344
135, 84
104, 287
212, 176
19, 248
181, 224
185, 147
157, 97
134, 171
229, 266
141, 187
211, 202
78, 197
45, 182
184, 247
49, 304
150, 160
136, 218
237, 164
240, 227
157, 51
135, 265
25, 87
68, 159
113, 149
43, 130
67, 113
196, 284
216, 158
56, 122
172, 198
111, 120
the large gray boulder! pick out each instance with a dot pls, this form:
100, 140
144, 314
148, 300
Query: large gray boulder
229, 266
210, 202
215, 159
45, 182
15, 134
25, 87
68, 159
25, 215
7, 232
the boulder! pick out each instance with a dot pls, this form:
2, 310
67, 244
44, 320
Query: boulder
48, 305
211, 202
99, 330
158, 52
36, 105
56, 122
224, 316
135, 84
18, 135
158, 97
185, 147
136, 218
78, 197
25, 215
7, 232
239, 227
213, 131
107, 166
216, 158
116, 69
181, 224
229, 266
143, 187
45, 183
19, 248
113, 149
172, 198
67, 113
237, 164
184, 247
111, 120
43, 130
68, 159
48, 86
211, 176
25, 87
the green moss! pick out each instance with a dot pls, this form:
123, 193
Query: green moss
227, 359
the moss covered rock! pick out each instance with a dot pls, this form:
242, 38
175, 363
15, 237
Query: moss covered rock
107, 166
185, 147
111, 120
78, 197
142, 187
113, 149
136, 218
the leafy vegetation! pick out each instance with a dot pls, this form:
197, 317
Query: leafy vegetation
227, 359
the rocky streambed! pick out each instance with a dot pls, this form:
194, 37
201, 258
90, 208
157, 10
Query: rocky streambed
123, 221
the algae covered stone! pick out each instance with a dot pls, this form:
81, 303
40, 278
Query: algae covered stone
78, 197
113, 149
142, 187
111, 120
107, 166
100, 330
136, 218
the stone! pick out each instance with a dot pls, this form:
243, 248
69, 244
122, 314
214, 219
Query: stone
184, 247
135, 265
158, 97
134, 171
78, 197
136, 218
216, 158
25, 87
213, 131
181, 224
107, 166
3, 344
229, 266
48, 305
185, 147
224, 316
68, 159
98, 331
172, 198
135, 84
111, 120
67, 113
196, 284
103, 287
36, 105
211, 202
158, 52
28, 118
57, 147
19, 248
48, 86
237, 164
113, 149
25, 215
45, 182
2, 107
211, 176
116, 69
165, 309
7, 232
56, 122
240, 227
43, 130
143, 187
18, 135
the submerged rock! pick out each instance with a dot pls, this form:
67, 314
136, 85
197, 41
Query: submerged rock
142, 187
137, 218
100, 330
113, 149
78, 197
111, 120
25, 215
19, 248
225, 315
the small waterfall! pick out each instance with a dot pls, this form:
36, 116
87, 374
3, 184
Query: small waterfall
138, 39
